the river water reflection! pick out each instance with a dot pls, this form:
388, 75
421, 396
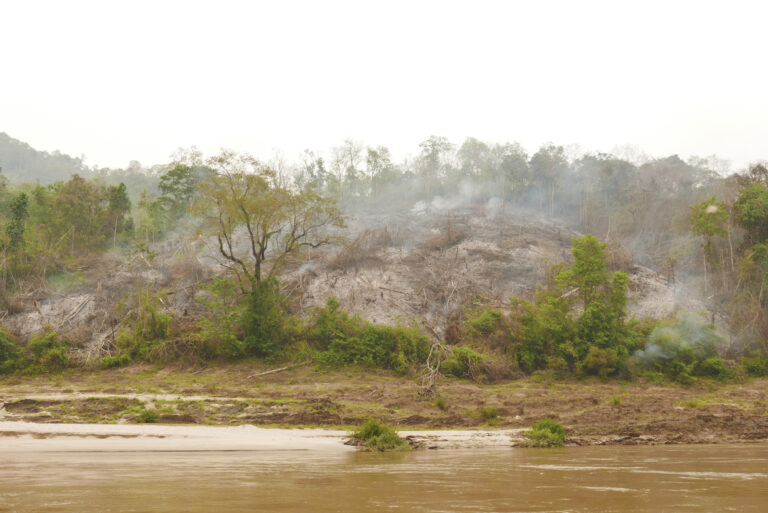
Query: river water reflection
604, 479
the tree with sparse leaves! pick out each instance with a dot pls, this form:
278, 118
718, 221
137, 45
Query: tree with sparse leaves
257, 223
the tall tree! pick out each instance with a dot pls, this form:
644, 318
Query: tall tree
548, 166
15, 227
241, 203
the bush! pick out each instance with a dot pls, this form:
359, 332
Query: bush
677, 346
220, 331
485, 321
489, 412
148, 417
343, 340
600, 362
546, 433
49, 353
148, 327
10, 354
116, 361
377, 436
755, 366
263, 319
713, 368
386, 347
462, 363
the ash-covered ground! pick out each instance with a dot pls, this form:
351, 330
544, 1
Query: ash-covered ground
427, 264
421, 266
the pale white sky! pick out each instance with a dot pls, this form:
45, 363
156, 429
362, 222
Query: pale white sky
119, 81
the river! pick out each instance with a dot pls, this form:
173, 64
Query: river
599, 479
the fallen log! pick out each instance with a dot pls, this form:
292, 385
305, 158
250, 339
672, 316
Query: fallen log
280, 369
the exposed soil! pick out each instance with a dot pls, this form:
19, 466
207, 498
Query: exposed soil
593, 412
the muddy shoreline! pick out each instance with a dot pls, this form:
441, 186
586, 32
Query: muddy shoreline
461, 414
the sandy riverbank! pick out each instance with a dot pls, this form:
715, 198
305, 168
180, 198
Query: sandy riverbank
33, 437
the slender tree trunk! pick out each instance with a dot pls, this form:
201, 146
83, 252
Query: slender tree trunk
114, 237
730, 245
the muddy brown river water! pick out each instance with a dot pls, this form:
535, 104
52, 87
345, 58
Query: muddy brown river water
599, 479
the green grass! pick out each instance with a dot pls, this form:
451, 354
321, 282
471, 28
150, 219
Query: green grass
148, 417
693, 404
488, 412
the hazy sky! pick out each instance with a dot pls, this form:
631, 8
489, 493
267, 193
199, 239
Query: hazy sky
120, 81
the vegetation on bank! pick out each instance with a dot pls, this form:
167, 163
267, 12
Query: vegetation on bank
374, 435
546, 433
574, 325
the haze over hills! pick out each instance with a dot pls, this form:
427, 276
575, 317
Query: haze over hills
22, 163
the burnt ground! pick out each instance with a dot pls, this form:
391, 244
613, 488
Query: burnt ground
593, 412
422, 267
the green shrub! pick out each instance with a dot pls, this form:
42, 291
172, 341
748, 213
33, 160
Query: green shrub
676, 347
263, 320
546, 433
329, 323
462, 363
116, 361
344, 340
220, 331
489, 412
151, 323
49, 352
148, 417
545, 329
692, 403
558, 365
146, 328
755, 366
441, 403
377, 436
485, 321
713, 368
10, 354
600, 362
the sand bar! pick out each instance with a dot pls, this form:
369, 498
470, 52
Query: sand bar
27, 436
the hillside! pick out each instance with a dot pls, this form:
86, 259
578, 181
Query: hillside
22, 163
422, 267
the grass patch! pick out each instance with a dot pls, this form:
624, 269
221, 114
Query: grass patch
377, 436
488, 412
692, 404
148, 417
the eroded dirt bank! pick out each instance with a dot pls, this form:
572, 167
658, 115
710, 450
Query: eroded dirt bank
593, 412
